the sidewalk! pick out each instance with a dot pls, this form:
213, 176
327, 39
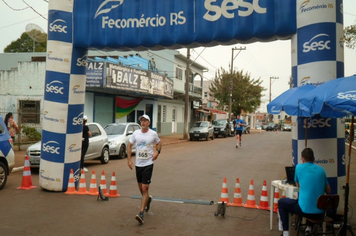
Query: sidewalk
20, 154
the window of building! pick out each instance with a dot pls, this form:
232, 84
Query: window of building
205, 94
30, 111
179, 73
164, 113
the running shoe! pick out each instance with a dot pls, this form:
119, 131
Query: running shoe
148, 203
139, 217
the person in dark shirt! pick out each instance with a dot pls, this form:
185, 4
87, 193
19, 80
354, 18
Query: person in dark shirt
85, 143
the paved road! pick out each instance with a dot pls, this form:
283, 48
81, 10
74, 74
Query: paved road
191, 172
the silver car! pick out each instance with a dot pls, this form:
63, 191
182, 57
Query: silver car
202, 129
98, 147
119, 135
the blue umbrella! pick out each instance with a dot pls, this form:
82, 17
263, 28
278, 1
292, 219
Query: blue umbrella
288, 101
335, 98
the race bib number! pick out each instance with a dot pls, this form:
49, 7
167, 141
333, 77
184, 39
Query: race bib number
143, 154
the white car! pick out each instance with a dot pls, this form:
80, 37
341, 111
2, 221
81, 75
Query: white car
201, 130
119, 135
98, 147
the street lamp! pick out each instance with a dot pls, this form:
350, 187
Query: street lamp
270, 91
232, 69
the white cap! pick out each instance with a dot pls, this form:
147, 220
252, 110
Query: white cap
85, 118
145, 116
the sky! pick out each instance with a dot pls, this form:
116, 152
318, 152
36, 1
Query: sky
260, 60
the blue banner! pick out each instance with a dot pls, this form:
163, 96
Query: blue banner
137, 24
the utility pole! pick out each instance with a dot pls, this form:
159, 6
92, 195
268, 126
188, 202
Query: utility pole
232, 70
270, 92
186, 107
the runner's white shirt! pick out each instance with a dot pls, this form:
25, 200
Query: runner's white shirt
144, 146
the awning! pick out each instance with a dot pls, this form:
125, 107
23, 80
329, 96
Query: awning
216, 111
203, 111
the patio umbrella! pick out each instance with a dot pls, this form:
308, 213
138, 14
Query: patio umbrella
339, 96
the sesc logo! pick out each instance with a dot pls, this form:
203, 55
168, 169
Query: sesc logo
350, 95
214, 12
82, 61
315, 44
317, 123
78, 120
56, 26
107, 6
51, 147
53, 88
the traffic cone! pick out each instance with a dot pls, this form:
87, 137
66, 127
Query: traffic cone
237, 195
113, 188
71, 185
103, 184
283, 194
82, 185
251, 201
224, 195
275, 200
26, 176
93, 189
264, 198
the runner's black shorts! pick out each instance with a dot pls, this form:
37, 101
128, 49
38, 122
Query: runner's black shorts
239, 132
144, 174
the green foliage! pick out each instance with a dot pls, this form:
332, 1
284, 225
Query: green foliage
31, 133
246, 92
350, 36
25, 44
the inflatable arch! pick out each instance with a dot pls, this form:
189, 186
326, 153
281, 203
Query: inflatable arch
74, 26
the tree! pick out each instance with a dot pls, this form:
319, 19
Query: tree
246, 92
350, 36
25, 44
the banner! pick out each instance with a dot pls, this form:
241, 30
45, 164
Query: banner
95, 74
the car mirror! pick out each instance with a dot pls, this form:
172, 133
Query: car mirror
129, 133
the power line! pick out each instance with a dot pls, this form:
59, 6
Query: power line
34, 10
13, 8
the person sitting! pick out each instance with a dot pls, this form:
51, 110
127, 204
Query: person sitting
312, 182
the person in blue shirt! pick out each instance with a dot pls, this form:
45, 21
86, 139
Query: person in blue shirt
239, 127
312, 182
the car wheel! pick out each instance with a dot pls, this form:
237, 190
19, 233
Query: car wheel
104, 158
3, 175
122, 152
207, 137
249, 131
212, 137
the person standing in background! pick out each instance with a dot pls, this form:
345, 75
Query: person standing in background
85, 143
239, 127
11, 125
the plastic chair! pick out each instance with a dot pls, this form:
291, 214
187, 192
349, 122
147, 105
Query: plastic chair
325, 203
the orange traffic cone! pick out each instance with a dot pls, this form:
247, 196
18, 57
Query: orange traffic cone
82, 185
283, 194
103, 183
26, 176
237, 195
113, 188
71, 185
224, 195
251, 201
264, 198
93, 189
275, 200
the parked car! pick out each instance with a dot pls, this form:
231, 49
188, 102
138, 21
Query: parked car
258, 127
119, 135
347, 131
7, 155
221, 128
264, 127
98, 147
272, 127
246, 129
202, 129
287, 127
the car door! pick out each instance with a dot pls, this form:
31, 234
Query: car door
95, 142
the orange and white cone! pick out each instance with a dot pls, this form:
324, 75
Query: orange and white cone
251, 201
275, 200
103, 184
264, 198
237, 195
113, 188
224, 195
71, 185
26, 176
283, 194
82, 185
93, 188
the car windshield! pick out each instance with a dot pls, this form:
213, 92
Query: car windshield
271, 124
115, 129
200, 124
219, 122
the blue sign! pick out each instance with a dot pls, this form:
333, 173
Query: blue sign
56, 87
137, 24
60, 26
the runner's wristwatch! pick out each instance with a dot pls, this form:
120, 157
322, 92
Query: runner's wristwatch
159, 151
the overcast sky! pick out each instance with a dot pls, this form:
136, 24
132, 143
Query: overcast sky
261, 60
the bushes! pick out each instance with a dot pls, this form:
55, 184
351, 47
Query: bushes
31, 133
